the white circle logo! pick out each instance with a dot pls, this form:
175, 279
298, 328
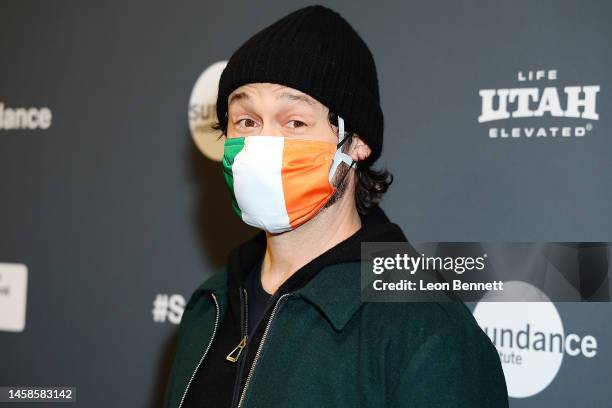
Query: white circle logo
203, 112
529, 337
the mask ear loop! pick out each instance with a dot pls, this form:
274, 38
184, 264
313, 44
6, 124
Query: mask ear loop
340, 156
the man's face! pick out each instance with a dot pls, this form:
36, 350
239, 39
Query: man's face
277, 110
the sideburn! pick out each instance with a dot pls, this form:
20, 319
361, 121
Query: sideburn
340, 180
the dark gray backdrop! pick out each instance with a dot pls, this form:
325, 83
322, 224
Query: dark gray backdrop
114, 204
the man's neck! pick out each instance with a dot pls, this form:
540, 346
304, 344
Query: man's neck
289, 251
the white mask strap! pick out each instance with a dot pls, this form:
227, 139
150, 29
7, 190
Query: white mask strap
340, 156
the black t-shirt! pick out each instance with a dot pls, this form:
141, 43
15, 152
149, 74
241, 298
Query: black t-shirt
257, 297
213, 383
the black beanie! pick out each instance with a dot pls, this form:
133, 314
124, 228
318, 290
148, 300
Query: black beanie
315, 51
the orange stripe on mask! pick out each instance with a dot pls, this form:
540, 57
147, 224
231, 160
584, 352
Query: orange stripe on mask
305, 173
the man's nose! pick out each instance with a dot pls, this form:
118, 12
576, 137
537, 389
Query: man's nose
269, 129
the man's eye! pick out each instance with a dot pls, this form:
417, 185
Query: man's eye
297, 123
247, 122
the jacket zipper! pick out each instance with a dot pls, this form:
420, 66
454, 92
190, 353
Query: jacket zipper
205, 351
261, 343
245, 326
244, 320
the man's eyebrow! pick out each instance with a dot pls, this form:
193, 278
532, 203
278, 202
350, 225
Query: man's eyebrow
237, 96
296, 98
285, 95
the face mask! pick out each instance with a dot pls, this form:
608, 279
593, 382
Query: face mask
276, 183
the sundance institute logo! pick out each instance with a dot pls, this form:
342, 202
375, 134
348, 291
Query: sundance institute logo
530, 337
531, 101
203, 112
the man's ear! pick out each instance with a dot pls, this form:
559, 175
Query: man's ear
359, 150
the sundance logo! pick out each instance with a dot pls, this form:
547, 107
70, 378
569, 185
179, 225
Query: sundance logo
24, 118
530, 338
575, 101
202, 112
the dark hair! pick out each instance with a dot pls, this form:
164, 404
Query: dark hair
371, 184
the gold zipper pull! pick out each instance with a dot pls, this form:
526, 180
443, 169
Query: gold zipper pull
237, 350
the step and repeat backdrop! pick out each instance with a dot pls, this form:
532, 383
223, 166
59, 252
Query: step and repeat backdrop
113, 208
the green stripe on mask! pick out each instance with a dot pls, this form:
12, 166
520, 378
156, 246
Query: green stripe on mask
231, 148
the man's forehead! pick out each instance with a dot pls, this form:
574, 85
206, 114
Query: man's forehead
281, 92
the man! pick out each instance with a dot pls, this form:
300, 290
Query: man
283, 325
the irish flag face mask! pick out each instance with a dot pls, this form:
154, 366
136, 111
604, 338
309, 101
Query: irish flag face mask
276, 183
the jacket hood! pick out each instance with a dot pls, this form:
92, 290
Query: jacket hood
375, 227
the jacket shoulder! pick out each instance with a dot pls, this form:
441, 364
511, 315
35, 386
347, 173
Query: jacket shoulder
424, 316
405, 327
217, 283
450, 352
436, 345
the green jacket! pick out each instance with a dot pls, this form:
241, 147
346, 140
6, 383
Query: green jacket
324, 347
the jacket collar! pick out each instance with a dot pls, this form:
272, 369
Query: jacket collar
336, 289
331, 282
336, 292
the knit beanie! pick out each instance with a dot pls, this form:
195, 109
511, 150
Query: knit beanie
316, 51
